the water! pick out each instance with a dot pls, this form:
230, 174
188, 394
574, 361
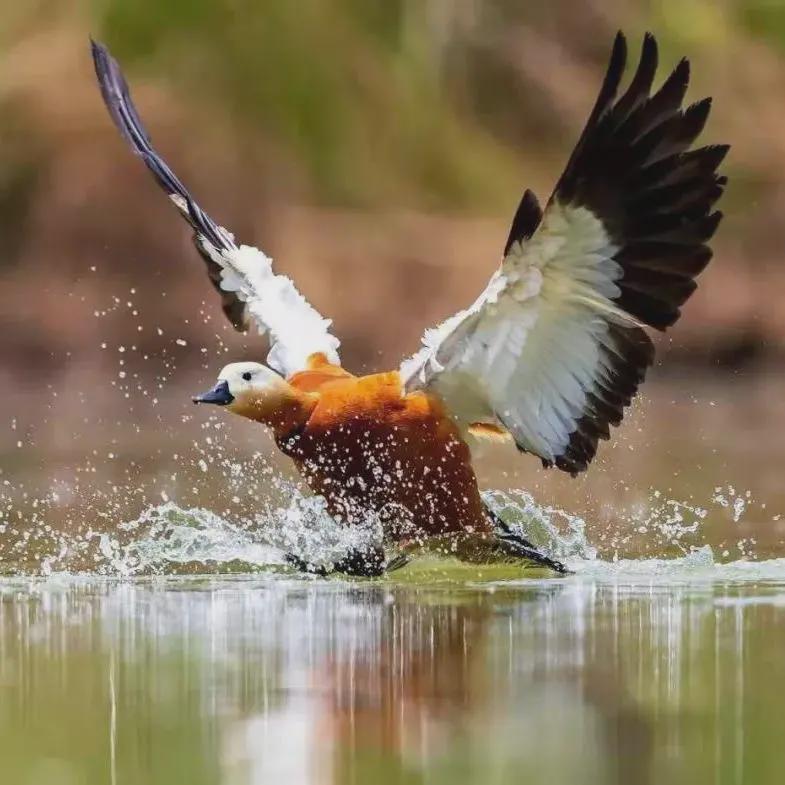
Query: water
606, 678
150, 631
115, 667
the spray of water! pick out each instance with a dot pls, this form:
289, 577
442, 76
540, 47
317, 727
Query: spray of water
172, 538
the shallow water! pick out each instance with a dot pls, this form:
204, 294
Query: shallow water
606, 677
150, 633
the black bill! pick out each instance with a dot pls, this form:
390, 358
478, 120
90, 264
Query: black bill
219, 395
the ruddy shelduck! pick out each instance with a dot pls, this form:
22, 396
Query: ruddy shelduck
549, 355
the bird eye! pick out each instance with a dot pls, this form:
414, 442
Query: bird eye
247, 376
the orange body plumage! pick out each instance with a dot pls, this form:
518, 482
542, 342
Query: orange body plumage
367, 446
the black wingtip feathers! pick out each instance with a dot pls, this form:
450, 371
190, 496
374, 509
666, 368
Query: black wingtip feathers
117, 98
634, 169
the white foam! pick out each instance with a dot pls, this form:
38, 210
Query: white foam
170, 539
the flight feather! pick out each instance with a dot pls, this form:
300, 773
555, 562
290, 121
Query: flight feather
556, 347
243, 276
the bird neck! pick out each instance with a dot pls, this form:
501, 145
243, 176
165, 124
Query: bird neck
283, 410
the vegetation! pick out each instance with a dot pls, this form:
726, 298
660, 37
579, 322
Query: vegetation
431, 107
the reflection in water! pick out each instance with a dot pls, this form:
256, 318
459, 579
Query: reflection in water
240, 681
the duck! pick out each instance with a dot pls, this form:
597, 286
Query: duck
549, 355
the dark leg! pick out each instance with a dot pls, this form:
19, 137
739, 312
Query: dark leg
360, 564
401, 560
515, 545
301, 565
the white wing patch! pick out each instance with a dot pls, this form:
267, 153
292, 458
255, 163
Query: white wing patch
295, 328
417, 369
529, 351
557, 349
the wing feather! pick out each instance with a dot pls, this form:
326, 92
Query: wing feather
556, 347
241, 274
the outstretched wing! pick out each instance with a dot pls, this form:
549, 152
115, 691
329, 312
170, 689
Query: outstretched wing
243, 275
555, 348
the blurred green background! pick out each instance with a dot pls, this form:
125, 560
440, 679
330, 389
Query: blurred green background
375, 144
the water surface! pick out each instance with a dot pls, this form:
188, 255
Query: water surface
606, 677
149, 635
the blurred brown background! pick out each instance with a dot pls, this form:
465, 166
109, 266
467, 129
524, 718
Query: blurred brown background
377, 151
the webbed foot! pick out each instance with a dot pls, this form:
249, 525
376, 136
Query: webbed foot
514, 545
301, 565
362, 564
517, 545
401, 560
370, 563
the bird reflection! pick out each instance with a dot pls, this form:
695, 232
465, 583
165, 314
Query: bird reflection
321, 682
407, 695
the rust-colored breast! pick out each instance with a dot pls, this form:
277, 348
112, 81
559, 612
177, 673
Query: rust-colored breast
367, 447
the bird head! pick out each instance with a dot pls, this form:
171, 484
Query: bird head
255, 391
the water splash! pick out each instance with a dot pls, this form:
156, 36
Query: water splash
729, 498
170, 539
167, 538
553, 530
